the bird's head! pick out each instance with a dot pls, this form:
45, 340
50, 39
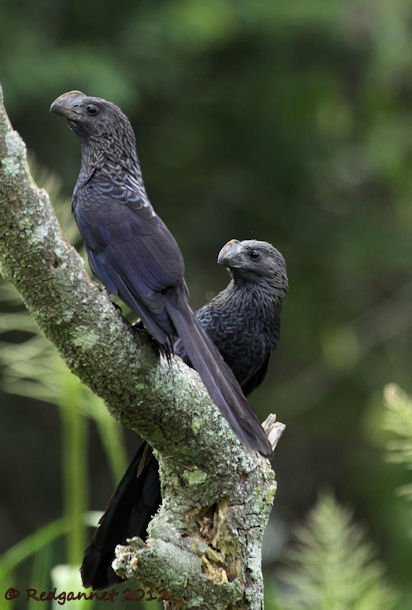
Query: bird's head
92, 118
253, 261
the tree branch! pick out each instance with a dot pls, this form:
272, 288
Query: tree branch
205, 542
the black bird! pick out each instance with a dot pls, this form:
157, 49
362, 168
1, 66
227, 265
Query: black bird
243, 320
136, 257
244, 323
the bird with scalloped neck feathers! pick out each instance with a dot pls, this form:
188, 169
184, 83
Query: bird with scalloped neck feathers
136, 257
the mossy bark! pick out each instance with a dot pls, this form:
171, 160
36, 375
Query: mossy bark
204, 549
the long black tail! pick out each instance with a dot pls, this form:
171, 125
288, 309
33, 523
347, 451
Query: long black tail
220, 382
128, 514
137, 496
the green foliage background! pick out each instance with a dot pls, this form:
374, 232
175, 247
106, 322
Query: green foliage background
289, 122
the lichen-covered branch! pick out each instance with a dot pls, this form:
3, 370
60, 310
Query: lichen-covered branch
217, 495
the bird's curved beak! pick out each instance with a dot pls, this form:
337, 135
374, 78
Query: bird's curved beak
68, 104
230, 253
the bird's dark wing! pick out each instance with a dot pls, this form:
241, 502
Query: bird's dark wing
128, 514
131, 250
220, 382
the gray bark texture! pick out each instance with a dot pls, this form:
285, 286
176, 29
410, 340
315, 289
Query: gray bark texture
204, 549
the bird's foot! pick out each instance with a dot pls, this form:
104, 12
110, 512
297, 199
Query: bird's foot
141, 331
117, 307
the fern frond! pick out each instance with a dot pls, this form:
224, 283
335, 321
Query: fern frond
398, 423
332, 566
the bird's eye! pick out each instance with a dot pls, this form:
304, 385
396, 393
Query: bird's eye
254, 254
92, 109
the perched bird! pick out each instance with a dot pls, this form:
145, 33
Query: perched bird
244, 322
136, 257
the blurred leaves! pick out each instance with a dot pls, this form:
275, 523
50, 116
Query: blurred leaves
39, 541
398, 422
332, 566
